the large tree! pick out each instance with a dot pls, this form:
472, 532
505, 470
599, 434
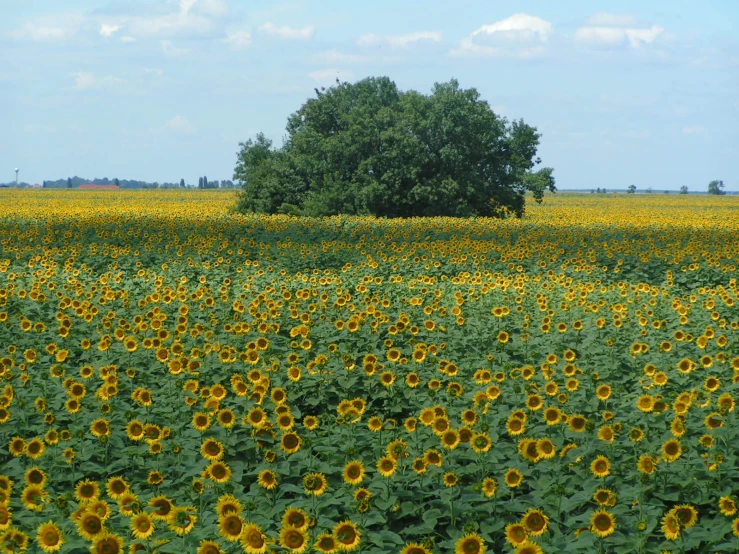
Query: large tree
716, 187
368, 148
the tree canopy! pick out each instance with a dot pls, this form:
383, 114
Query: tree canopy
369, 148
716, 187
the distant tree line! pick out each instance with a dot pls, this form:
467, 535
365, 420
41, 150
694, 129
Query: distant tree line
76, 181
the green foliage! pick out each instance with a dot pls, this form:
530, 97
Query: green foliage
716, 187
631, 189
368, 148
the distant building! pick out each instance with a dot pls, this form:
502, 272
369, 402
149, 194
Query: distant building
37, 186
88, 186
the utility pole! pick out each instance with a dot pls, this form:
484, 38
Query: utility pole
16, 177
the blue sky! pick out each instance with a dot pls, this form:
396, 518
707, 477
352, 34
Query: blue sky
643, 93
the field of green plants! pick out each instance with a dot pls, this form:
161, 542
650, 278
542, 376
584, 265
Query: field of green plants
175, 378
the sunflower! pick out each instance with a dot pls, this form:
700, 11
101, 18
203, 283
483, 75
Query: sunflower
727, 506
226, 418
90, 525
470, 544
142, 526
72, 405
326, 544
489, 487
99, 507
450, 439
228, 504
686, 514
155, 478
577, 423
163, 507
515, 427
602, 523
135, 430
527, 449
35, 448
535, 521
713, 421
528, 547
513, 478
347, 535
35, 476
735, 527
86, 491
219, 472
116, 487
315, 484
515, 533
253, 540
201, 421
387, 378
671, 526
278, 395
602, 497
646, 464
295, 518
49, 537
414, 548
181, 520
230, 526
208, 547
545, 449
671, 450
636, 434
290, 442
17, 446
353, 472
267, 479
128, 504
294, 540
386, 466
211, 450
6, 516
374, 424
600, 467
107, 544
451, 479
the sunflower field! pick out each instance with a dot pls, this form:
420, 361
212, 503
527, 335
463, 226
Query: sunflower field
176, 378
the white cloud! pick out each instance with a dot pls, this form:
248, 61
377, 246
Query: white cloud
108, 30
520, 26
128, 39
86, 80
186, 5
157, 72
170, 50
520, 36
330, 75
337, 57
180, 124
611, 19
398, 40
693, 129
287, 33
40, 32
214, 8
239, 39
615, 33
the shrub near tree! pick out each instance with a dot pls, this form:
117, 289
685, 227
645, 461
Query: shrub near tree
368, 148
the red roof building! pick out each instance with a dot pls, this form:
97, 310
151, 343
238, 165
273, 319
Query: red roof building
94, 186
